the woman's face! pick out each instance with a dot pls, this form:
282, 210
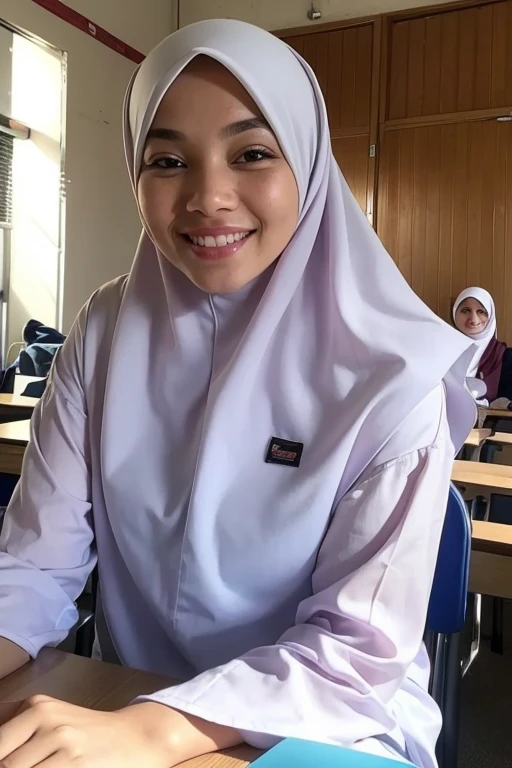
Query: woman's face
471, 317
217, 195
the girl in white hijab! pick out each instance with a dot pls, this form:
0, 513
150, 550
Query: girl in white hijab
252, 433
474, 314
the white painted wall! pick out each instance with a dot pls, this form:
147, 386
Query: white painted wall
280, 14
101, 224
5, 70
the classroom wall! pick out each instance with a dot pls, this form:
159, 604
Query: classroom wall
101, 223
281, 14
5, 70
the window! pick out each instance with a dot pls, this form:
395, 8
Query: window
6, 155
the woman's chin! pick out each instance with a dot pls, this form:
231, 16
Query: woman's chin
220, 281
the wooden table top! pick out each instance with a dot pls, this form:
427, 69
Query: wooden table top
477, 437
494, 538
98, 685
504, 438
495, 413
15, 432
18, 401
497, 477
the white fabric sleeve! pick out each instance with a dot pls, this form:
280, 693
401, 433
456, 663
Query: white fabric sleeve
46, 552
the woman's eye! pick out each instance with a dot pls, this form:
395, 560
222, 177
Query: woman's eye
254, 156
166, 163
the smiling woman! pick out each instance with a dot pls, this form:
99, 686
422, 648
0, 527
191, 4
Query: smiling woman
219, 199
265, 491
474, 315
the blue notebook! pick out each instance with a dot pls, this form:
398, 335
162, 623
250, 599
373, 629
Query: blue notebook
295, 753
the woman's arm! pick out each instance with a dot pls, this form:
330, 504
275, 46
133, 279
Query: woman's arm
46, 551
332, 676
12, 657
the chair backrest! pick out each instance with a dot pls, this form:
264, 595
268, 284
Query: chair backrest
447, 606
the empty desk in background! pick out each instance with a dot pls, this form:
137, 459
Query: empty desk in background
491, 559
14, 437
502, 438
16, 407
474, 442
489, 417
480, 479
98, 685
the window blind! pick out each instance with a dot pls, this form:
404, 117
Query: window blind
6, 154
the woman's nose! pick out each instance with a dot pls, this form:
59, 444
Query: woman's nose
211, 191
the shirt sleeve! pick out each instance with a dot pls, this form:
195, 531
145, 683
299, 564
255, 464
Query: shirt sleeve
331, 677
46, 552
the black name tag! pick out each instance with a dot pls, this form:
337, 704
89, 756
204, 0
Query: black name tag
284, 452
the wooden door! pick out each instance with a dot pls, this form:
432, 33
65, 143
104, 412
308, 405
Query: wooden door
343, 61
451, 62
445, 210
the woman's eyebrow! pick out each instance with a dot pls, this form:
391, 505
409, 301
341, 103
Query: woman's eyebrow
240, 126
167, 134
228, 132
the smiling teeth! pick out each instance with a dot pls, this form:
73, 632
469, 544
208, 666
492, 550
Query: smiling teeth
218, 242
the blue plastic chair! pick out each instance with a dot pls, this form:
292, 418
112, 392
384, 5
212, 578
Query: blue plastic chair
445, 621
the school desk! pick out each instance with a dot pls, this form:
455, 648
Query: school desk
489, 417
503, 438
479, 479
491, 559
14, 437
97, 685
16, 407
474, 442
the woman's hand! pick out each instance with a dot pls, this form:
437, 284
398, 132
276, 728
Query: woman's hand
48, 733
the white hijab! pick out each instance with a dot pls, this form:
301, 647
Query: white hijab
331, 349
480, 340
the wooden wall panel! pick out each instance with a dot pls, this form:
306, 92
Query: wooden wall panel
445, 211
352, 156
453, 61
342, 62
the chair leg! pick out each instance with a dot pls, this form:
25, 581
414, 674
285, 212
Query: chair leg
479, 507
476, 633
497, 625
448, 660
85, 638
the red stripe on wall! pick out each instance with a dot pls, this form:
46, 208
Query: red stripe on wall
81, 22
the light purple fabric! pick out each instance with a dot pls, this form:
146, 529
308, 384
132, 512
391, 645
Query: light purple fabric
304, 589
337, 323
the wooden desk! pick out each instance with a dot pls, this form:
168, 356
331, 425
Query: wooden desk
16, 407
98, 685
475, 441
491, 559
496, 413
482, 479
503, 438
488, 417
477, 437
14, 437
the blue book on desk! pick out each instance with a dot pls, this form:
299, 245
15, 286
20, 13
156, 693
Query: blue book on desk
295, 753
